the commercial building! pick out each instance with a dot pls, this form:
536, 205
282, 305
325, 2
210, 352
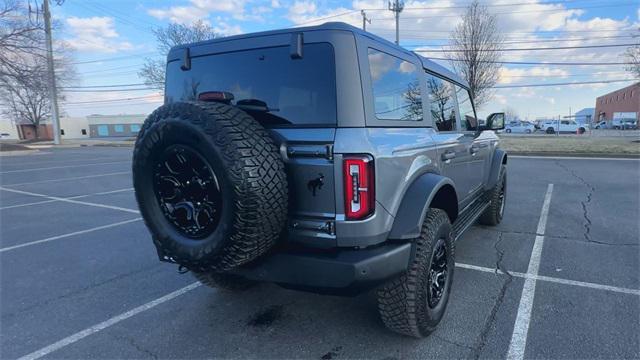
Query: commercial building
94, 126
115, 125
620, 104
584, 116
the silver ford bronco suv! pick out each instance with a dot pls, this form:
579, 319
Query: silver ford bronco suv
319, 158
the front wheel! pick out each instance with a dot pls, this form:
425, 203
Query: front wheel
581, 130
498, 196
414, 303
528, 131
508, 131
550, 130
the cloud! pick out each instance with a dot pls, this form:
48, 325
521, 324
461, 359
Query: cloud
95, 34
199, 9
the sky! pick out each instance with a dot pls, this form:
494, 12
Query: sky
112, 39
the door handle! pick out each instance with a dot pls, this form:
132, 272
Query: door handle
448, 155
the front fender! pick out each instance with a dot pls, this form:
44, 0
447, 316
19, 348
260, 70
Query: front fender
498, 160
415, 204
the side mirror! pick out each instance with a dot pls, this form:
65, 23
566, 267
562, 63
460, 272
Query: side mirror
495, 121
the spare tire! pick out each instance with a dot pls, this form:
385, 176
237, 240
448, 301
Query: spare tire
210, 184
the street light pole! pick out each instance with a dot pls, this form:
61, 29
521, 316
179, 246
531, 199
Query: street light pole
53, 92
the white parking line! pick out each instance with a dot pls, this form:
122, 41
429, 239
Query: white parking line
521, 326
63, 167
70, 178
72, 197
9, 248
551, 279
105, 324
71, 201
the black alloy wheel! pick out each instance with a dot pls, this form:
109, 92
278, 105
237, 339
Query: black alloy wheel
187, 191
437, 274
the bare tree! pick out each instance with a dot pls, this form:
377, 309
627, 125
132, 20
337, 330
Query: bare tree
476, 48
24, 86
511, 114
174, 34
20, 29
632, 55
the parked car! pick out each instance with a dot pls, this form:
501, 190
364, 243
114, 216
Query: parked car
519, 127
296, 157
564, 126
625, 124
601, 125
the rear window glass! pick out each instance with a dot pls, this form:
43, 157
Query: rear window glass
297, 92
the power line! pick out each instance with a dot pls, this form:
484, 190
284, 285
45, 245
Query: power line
109, 90
327, 17
527, 41
487, 5
117, 58
538, 63
102, 86
563, 84
530, 49
515, 12
111, 100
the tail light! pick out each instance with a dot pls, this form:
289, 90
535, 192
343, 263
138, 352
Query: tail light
359, 191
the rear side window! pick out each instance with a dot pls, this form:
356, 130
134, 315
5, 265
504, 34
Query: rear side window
296, 92
396, 89
441, 103
467, 115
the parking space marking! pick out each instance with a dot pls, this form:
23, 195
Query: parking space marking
71, 201
521, 327
70, 178
63, 167
552, 279
107, 323
69, 198
9, 248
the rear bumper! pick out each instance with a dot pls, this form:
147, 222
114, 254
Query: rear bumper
343, 272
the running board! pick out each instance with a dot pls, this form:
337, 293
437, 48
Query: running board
469, 217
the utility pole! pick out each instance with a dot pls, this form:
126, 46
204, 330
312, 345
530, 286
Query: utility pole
365, 20
52, 76
397, 7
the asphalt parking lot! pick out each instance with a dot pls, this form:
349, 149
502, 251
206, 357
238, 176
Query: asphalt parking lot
558, 278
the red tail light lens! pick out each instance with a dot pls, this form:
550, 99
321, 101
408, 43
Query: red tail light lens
359, 192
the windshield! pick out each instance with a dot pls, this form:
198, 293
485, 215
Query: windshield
291, 92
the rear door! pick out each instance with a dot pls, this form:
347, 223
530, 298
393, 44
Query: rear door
453, 145
478, 145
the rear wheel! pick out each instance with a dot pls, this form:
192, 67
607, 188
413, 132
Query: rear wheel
508, 131
581, 130
528, 131
414, 303
550, 130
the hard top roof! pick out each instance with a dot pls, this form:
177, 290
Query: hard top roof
426, 63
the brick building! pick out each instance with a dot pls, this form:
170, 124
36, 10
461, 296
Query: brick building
625, 100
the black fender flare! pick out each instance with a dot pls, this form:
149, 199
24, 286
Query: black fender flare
498, 160
426, 190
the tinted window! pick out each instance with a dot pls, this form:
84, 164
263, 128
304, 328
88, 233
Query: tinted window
396, 89
299, 92
467, 115
441, 103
